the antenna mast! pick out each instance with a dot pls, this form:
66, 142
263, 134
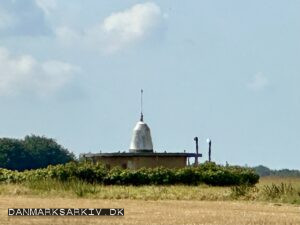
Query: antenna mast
142, 116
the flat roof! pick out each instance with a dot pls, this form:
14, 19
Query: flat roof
139, 154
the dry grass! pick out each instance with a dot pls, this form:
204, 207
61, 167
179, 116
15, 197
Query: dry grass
277, 180
76, 189
69, 190
154, 204
156, 212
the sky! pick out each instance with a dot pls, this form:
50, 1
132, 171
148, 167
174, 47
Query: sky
224, 70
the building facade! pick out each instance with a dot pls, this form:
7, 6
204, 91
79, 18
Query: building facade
140, 160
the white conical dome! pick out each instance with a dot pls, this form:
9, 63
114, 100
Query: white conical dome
141, 138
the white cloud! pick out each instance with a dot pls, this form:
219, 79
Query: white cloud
117, 31
24, 73
259, 82
132, 25
47, 5
68, 36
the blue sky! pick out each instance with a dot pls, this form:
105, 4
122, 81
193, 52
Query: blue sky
227, 70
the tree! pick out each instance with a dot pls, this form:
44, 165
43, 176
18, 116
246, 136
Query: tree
31, 153
13, 155
262, 170
265, 171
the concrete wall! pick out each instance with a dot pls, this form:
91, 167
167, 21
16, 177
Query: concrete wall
140, 161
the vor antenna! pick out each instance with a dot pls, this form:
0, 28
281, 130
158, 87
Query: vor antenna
142, 116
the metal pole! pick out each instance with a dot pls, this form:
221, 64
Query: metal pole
142, 116
196, 157
209, 150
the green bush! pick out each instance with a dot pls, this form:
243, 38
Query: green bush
208, 173
189, 176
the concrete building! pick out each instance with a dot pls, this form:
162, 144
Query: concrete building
141, 152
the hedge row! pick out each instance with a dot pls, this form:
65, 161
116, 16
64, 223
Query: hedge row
207, 173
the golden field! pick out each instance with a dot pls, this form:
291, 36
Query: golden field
156, 212
156, 204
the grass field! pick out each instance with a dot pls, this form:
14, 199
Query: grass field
272, 201
270, 189
156, 212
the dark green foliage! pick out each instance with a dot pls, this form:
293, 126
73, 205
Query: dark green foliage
31, 153
208, 173
45, 151
189, 176
221, 178
262, 170
162, 176
13, 155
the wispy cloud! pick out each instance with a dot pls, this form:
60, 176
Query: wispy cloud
6, 19
117, 31
258, 82
24, 74
47, 5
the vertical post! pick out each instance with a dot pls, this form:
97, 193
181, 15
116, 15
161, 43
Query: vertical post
209, 150
142, 116
196, 157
